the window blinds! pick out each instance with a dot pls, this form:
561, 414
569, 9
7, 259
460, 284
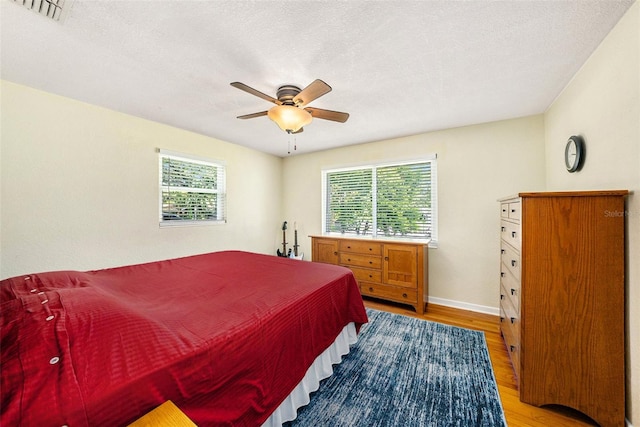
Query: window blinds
385, 200
54, 9
191, 189
349, 201
404, 200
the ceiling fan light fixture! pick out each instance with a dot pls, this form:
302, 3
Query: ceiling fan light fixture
289, 118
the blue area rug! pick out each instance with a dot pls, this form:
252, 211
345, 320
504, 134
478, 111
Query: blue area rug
408, 372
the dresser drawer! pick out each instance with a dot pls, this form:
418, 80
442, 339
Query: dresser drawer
360, 247
511, 341
509, 287
510, 233
509, 303
511, 260
360, 260
511, 318
389, 292
509, 326
514, 211
504, 210
366, 275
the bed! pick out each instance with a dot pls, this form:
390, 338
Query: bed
232, 338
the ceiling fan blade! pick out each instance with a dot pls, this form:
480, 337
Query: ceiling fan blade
336, 116
251, 116
255, 92
315, 90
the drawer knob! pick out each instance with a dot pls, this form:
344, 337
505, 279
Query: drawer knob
370, 276
404, 295
502, 274
335, 253
370, 289
513, 234
513, 291
348, 259
501, 319
386, 258
503, 229
513, 263
370, 249
370, 262
502, 251
512, 348
513, 210
501, 296
513, 319
348, 247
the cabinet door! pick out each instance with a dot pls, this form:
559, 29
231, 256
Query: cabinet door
325, 250
400, 265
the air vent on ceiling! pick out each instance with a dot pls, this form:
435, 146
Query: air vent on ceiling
52, 9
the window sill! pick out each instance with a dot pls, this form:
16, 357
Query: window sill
432, 243
187, 223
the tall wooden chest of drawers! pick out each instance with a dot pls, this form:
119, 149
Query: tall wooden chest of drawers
562, 299
390, 270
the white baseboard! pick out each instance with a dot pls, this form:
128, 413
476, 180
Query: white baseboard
465, 306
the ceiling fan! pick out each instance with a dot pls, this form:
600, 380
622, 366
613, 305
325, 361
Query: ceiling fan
291, 113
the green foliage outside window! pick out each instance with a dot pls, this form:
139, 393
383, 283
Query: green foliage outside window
350, 201
178, 205
404, 200
398, 198
190, 190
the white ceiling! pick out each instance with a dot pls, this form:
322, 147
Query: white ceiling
398, 67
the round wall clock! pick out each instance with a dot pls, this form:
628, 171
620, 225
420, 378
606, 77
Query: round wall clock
574, 153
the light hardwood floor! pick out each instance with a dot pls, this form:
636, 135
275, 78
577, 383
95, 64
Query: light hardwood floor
517, 413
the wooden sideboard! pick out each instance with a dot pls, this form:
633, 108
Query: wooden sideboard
386, 269
562, 299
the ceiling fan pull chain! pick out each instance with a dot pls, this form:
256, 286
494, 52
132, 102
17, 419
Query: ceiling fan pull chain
295, 142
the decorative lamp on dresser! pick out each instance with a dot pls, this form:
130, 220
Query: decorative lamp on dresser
562, 299
386, 269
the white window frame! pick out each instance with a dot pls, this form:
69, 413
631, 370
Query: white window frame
432, 158
221, 190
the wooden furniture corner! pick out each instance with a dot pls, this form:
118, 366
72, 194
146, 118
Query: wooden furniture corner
165, 415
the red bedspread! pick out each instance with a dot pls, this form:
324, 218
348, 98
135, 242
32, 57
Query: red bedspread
226, 336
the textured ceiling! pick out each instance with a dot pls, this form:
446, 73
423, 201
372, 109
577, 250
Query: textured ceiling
398, 67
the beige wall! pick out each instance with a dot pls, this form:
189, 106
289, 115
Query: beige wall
80, 188
476, 166
602, 104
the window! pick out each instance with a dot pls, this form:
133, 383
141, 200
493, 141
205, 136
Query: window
192, 190
385, 200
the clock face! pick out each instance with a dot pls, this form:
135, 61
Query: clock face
573, 153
